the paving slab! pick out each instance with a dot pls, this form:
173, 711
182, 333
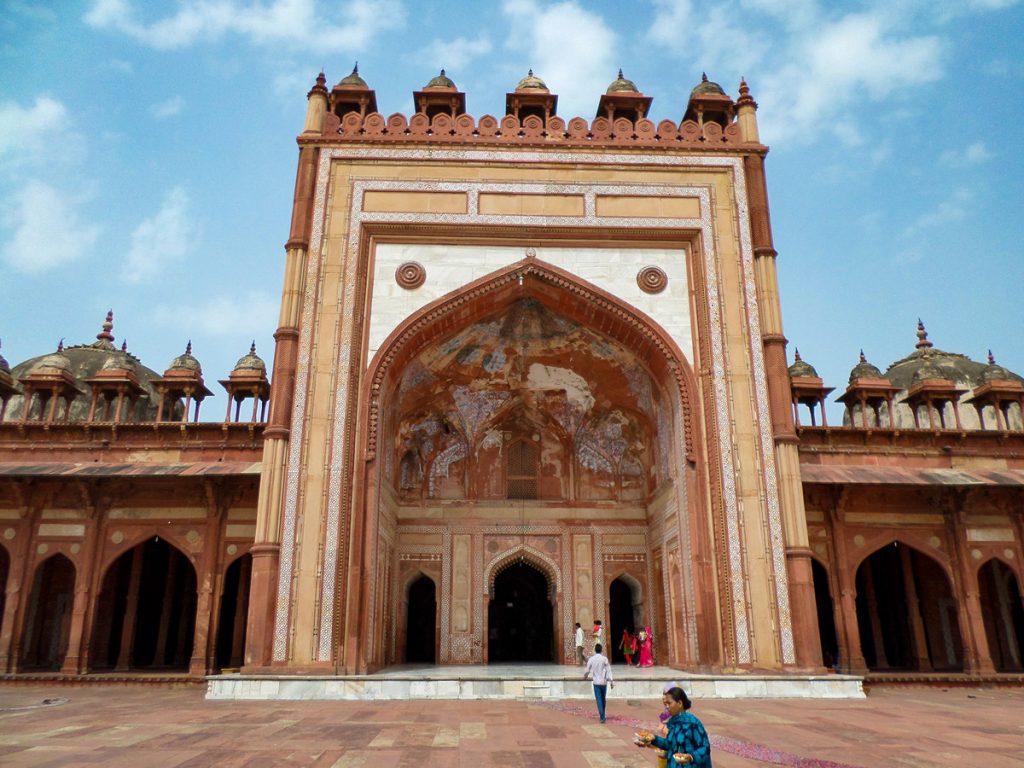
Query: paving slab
152, 728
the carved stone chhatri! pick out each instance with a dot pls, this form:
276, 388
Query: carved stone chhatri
410, 275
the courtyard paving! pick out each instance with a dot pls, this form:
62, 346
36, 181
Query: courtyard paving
151, 727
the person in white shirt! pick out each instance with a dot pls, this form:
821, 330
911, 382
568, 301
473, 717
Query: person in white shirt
600, 670
580, 642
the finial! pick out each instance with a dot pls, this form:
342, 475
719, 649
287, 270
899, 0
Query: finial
991, 359
108, 324
60, 345
922, 336
124, 346
620, 74
442, 72
703, 77
745, 97
355, 69
529, 72
796, 355
320, 86
188, 347
252, 349
862, 358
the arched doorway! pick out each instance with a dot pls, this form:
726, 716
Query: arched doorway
906, 611
234, 609
519, 617
625, 612
146, 610
1003, 614
421, 622
826, 615
48, 622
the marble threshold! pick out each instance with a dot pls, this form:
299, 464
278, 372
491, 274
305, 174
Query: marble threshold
528, 681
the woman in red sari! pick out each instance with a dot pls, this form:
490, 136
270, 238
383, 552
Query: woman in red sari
628, 646
646, 648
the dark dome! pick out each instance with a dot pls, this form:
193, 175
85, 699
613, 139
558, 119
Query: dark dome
996, 372
706, 87
441, 81
938, 364
531, 83
251, 361
4, 365
353, 80
83, 362
186, 362
622, 85
864, 370
801, 368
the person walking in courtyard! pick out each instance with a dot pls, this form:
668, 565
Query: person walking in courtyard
646, 648
628, 646
687, 742
599, 669
581, 659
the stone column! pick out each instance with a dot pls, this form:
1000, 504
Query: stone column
18, 591
917, 636
76, 659
977, 657
850, 652
807, 643
206, 579
267, 545
131, 608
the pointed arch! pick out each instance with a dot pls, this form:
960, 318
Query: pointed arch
47, 625
520, 553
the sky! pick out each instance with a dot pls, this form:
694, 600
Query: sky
147, 153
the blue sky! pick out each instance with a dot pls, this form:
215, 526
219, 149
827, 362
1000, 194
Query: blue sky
147, 152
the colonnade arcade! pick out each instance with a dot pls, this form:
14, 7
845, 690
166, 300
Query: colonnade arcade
125, 589
924, 598
527, 449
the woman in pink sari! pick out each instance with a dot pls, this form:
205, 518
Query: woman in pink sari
646, 648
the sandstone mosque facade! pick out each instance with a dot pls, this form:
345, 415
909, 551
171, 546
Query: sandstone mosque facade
528, 371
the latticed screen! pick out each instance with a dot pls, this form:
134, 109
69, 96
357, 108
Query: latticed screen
521, 470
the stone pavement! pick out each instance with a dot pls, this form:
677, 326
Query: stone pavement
152, 727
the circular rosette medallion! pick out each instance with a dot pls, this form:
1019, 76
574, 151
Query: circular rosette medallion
410, 275
652, 279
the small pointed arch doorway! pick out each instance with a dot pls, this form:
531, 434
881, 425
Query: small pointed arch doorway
827, 635
234, 610
146, 610
421, 621
908, 617
48, 621
520, 615
1003, 614
625, 614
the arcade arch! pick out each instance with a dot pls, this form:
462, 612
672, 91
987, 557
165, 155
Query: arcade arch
48, 620
906, 611
1003, 615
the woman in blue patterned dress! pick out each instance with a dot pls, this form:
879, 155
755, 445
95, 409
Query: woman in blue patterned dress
686, 734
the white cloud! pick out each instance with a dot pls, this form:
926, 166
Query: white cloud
569, 47
454, 55
25, 133
953, 209
220, 315
168, 108
161, 239
973, 154
282, 21
47, 230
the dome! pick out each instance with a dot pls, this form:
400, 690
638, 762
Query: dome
82, 362
800, 368
706, 87
995, 372
441, 81
4, 365
186, 362
904, 373
531, 83
622, 85
251, 361
119, 361
56, 361
353, 80
864, 370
